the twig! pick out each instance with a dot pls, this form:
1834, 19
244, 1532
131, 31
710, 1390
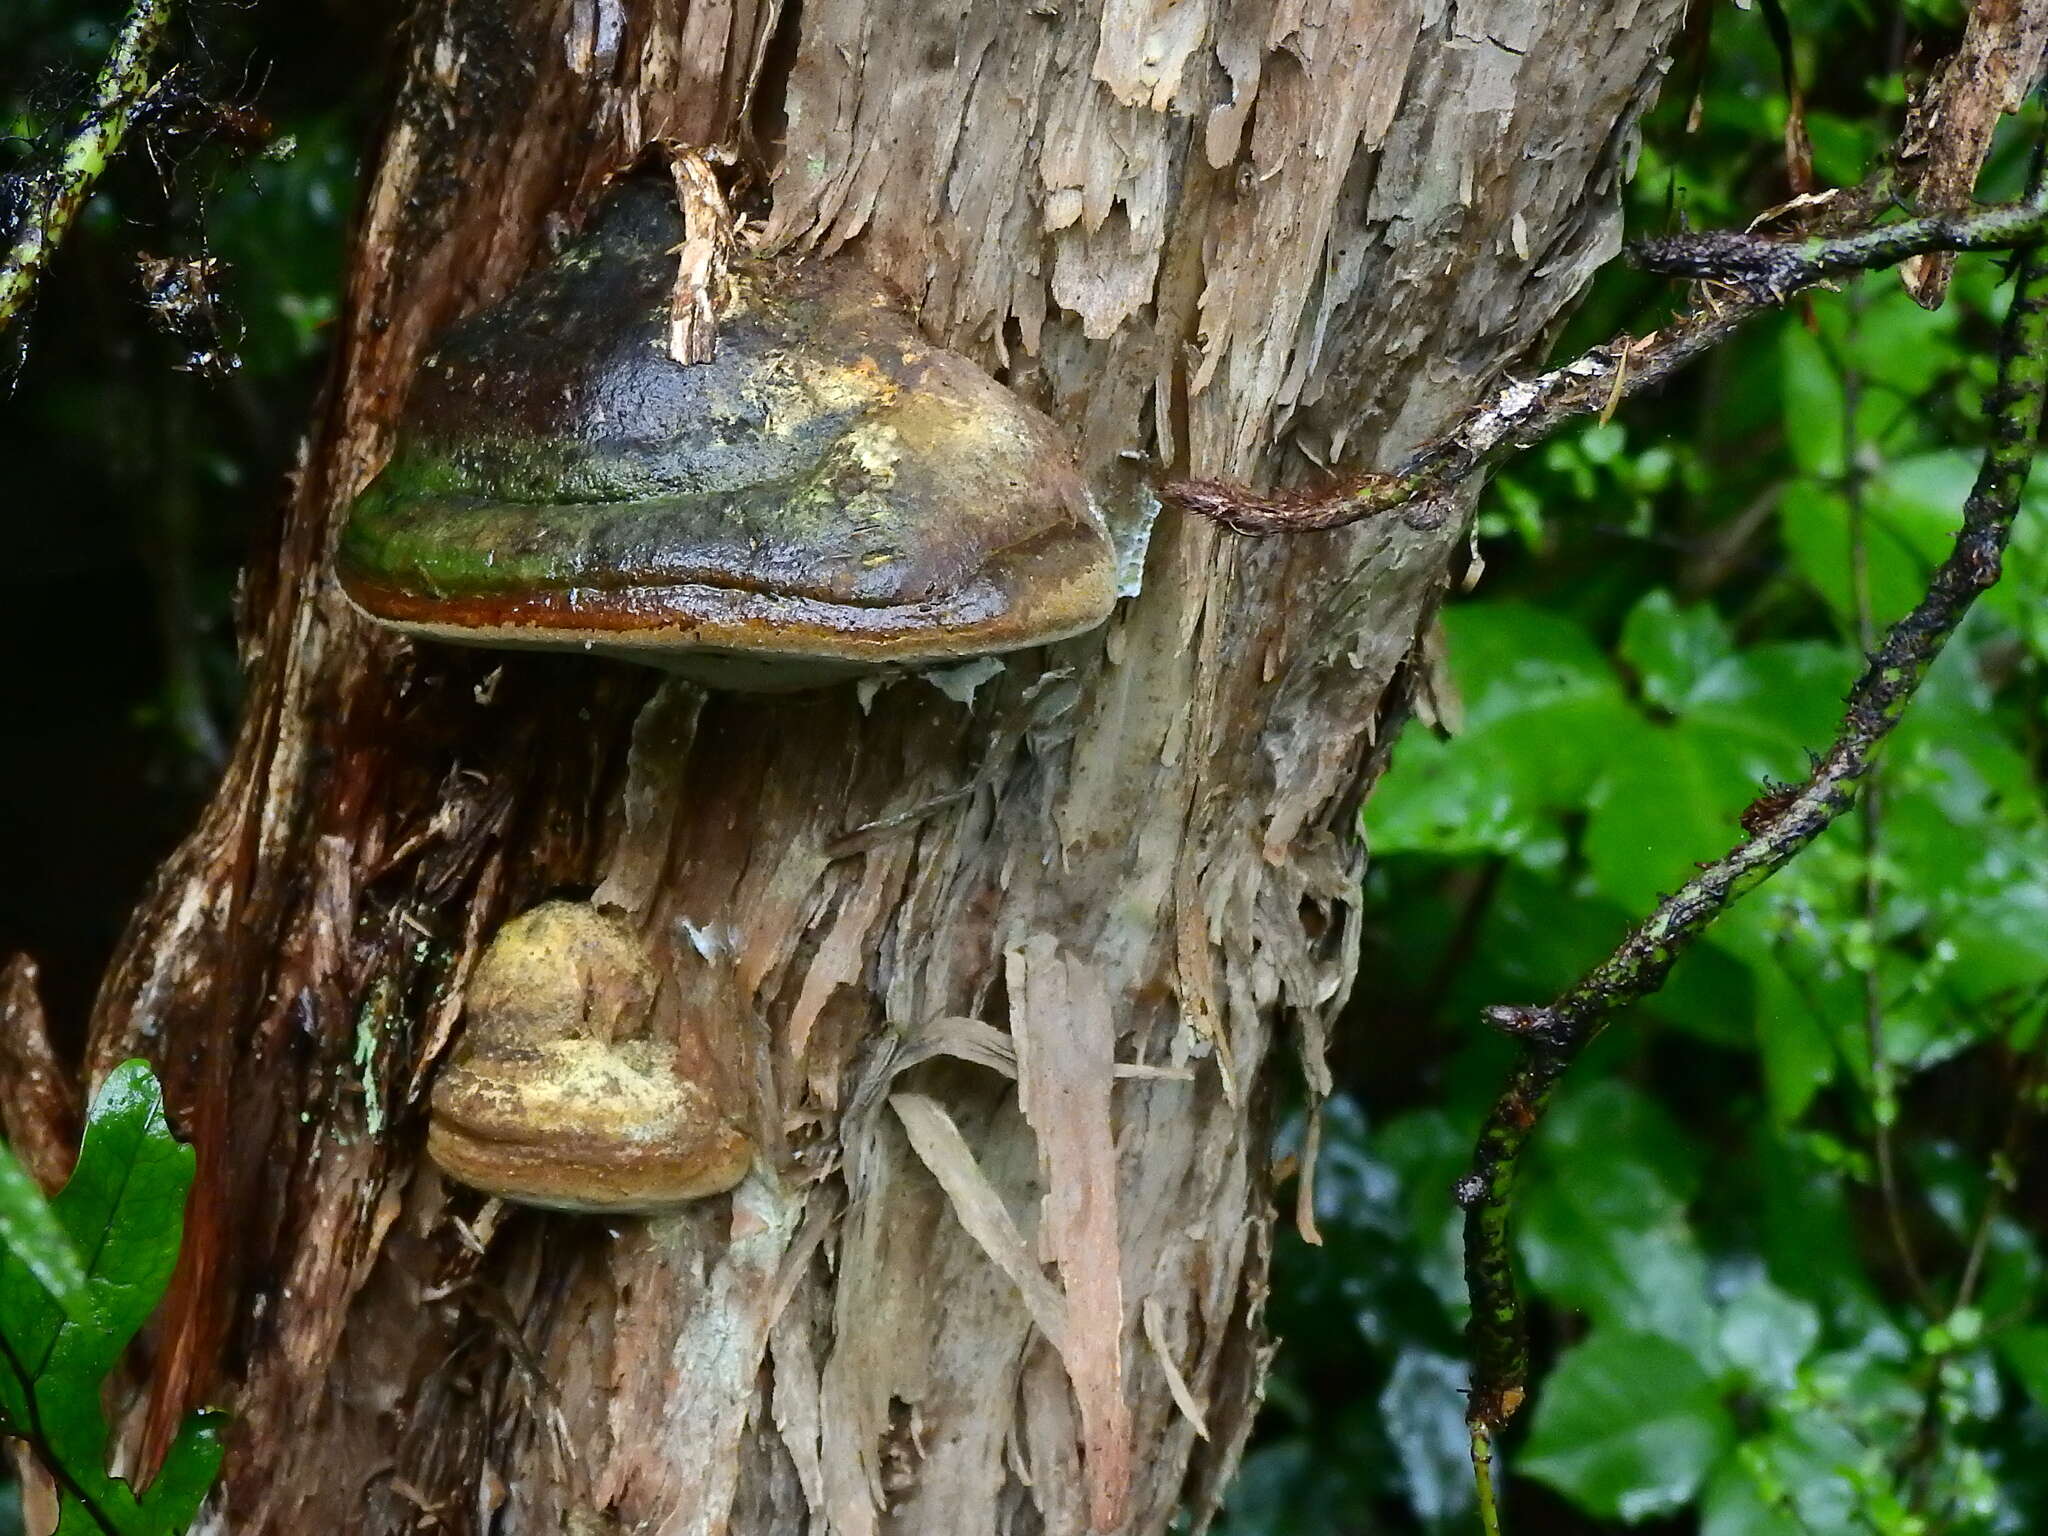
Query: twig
49, 201
1482, 1475
1759, 273
1770, 269
1916, 1467
1780, 824
2005, 1167
1870, 829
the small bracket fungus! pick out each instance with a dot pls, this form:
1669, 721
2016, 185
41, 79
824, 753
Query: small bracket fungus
830, 494
560, 1094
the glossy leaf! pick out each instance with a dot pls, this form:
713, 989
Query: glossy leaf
1814, 410
124, 1211
1673, 648
1423, 1405
1627, 1425
30, 1231
1766, 1334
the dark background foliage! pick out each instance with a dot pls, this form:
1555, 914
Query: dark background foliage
133, 484
1783, 1230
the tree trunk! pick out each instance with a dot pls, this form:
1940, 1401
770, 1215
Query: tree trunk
1243, 238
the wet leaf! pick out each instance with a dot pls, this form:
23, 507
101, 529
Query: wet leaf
1423, 1405
124, 1209
1627, 1425
30, 1231
1673, 648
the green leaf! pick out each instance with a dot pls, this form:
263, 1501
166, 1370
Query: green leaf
1672, 648
124, 1210
1512, 658
1504, 785
1627, 1426
182, 1482
1912, 508
1603, 1225
2025, 1352
1789, 1022
1662, 807
1766, 1334
1427, 1152
1673, 797
1814, 412
1423, 1406
1771, 703
1897, 345
1543, 716
1789, 1482
30, 1230
2018, 597
1712, 994
1798, 1057
1735, 1503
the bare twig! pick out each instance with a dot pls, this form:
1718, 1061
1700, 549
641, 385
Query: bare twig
1753, 273
1798, 143
1870, 830
1482, 1472
47, 202
1780, 825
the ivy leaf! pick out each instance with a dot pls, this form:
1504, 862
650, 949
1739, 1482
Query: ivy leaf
1672, 648
1627, 1427
1514, 658
1603, 1227
29, 1229
1792, 1042
1543, 716
1766, 1333
1913, 507
1663, 805
124, 1212
1747, 1497
1814, 408
1423, 1406
2025, 1352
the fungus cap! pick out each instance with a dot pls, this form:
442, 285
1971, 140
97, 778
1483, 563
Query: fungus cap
562, 1091
830, 494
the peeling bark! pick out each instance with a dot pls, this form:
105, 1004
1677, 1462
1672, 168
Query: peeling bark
1948, 131
1242, 238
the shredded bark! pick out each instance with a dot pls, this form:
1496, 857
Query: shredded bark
1950, 126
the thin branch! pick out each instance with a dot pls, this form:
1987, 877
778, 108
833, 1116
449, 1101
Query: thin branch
48, 202
1884, 1100
1773, 270
2007, 1161
1757, 273
1482, 1472
1781, 823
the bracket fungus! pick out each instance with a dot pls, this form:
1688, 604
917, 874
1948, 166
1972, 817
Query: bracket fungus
562, 1092
830, 494
827, 495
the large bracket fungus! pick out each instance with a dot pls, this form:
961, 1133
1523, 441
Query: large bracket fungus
830, 494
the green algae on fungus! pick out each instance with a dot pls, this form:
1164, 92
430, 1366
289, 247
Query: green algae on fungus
831, 494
